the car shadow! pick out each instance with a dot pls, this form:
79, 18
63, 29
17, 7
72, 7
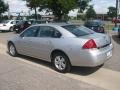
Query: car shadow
116, 38
37, 61
84, 71
4, 31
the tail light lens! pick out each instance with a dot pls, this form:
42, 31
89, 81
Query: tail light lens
89, 44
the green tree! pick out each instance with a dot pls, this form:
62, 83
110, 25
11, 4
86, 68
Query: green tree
3, 7
60, 8
82, 4
34, 4
90, 13
111, 12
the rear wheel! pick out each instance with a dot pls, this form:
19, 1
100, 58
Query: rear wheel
12, 49
61, 62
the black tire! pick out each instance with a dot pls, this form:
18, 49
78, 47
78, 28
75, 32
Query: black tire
66, 59
11, 29
11, 45
119, 34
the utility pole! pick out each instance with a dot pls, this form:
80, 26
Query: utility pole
35, 8
116, 12
8, 10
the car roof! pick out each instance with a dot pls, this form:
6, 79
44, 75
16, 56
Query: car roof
55, 24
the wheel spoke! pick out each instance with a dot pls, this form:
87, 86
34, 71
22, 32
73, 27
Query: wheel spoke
56, 62
60, 67
63, 65
62, 60
58, 58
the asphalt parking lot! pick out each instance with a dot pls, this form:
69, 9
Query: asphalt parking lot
23, 71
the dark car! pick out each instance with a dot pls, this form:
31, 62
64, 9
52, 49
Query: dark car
95, 25
21, 26
38, 22
119, 32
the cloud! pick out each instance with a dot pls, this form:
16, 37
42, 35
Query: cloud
101, 6
17, 5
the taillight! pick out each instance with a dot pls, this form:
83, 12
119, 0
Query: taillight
89, 44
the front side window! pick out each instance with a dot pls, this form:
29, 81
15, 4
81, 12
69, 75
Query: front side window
30, 32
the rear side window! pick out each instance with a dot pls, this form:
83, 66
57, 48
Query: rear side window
46, 31
78, 30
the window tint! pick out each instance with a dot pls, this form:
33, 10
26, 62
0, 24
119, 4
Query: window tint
57, 34
17, 22
30, 32
78, 30
46, 31
12, 22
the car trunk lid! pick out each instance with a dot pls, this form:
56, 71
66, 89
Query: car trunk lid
101, 40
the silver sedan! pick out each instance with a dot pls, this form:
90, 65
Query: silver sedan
64, 45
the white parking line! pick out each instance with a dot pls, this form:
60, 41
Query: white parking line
104, 78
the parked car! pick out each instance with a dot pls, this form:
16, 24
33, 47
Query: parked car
38, 22
114, 20
119, 32
64, 45
7, 25
21, 26
95, 25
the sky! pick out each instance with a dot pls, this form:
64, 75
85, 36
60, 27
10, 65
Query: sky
100, 6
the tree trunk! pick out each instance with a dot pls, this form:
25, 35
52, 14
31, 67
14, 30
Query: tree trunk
116, 13
36, 13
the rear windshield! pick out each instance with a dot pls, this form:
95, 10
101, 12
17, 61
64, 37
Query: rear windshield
78, 30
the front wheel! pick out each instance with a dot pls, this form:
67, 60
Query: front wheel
12, 49
61, 62
11, 29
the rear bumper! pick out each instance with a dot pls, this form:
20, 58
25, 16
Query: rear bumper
92, 58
